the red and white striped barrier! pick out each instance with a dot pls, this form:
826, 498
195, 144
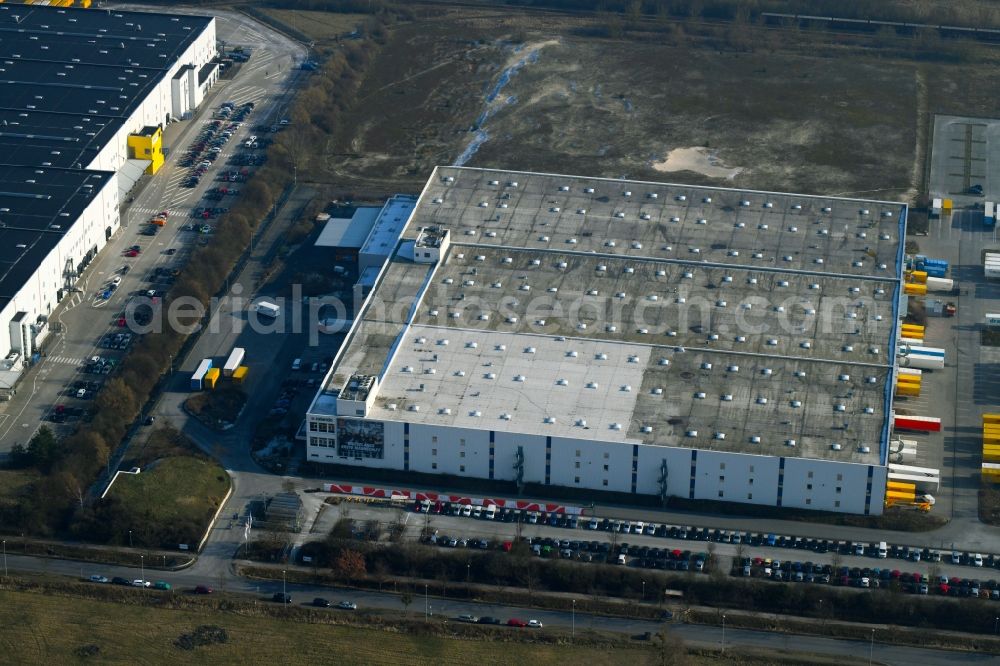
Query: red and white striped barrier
372, 492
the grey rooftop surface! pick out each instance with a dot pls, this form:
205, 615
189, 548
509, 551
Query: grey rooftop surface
594, 322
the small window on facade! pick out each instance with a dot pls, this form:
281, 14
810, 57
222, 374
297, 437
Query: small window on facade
578, 464
434, 440
722, 465
434, 465
461, 468
720, 493
576, 479
809, 486
751, 469
605, 468
810, 475
461, 454
722, 478
578, 453
836, 504
605, 482
840, 477
808, 501
838, 489
607, 455
434, 452
461, 442
749, 496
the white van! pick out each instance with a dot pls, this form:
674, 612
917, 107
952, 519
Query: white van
883, 550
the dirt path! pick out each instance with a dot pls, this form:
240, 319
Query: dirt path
923, 129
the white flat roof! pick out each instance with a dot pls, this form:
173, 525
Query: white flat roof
389, 225
349, 232
579, 308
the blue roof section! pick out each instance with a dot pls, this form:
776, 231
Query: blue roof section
38, 207
71, 77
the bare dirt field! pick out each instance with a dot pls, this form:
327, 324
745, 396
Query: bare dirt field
534, 92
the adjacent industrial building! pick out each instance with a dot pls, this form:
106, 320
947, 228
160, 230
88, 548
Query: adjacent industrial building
86, 95
635, 337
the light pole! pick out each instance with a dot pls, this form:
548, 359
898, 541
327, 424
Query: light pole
5, 558
283, 586
426, 607
573, 634
130, 539
142, 571
871, 648
644, 590
996, 620
724, 634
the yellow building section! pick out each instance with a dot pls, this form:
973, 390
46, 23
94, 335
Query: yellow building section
908, 390
920, 277
147, 144
915, 289
898, 496
991, 454
84, 3
240, 374
991, 472
916, 329
211, 377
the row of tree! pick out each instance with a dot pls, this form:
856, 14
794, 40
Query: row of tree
354, 560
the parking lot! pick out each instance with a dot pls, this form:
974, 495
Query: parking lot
129, 276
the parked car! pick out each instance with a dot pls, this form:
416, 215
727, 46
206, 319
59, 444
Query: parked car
138, 582
281, 598
347, 605
514, 622
97, 578
472, 619
203, 589
534, 624
319, 602
488, 620
161, 585
118, 580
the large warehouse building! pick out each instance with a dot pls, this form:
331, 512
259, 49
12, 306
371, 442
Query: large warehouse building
633, 337
86, 94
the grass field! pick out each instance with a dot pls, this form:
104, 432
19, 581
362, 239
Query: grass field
179, 490
321, 27
35, 629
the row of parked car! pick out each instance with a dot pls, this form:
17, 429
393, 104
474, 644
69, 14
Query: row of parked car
865, 577
879, 550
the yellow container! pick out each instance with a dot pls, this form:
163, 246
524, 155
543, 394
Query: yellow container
239, 374
947, 204
914, 328
901, 487
991, 454
991, 428
920, 277
915, 289
900, 497
991, 418
211, 377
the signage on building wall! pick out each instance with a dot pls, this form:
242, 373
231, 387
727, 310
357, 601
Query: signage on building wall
357, 438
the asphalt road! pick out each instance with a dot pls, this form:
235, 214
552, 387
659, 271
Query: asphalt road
694, 635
